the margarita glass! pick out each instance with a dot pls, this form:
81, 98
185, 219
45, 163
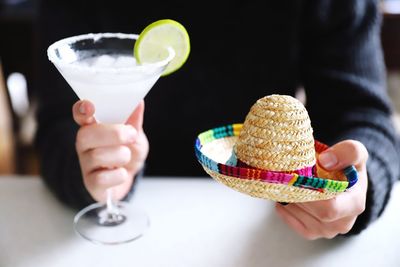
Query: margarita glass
102, 69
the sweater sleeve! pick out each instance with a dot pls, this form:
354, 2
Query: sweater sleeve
343, 73
55, 138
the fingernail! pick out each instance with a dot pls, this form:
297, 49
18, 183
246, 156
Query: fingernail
327, 160
82, 109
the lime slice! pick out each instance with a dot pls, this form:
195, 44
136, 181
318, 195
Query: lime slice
153, 42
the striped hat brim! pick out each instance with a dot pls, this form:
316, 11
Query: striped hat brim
213, 149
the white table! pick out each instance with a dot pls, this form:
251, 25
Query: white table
194, 222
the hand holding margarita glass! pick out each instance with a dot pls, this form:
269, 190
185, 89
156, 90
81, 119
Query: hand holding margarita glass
100, 68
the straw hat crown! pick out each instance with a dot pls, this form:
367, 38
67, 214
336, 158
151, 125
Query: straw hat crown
277, 135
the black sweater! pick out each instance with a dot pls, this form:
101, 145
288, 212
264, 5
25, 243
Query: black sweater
241, 51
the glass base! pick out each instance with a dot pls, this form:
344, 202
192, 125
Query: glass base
125, 224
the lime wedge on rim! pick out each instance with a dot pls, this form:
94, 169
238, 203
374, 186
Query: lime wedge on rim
154, 41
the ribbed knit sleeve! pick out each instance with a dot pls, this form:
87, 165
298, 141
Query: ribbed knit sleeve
344, 76
60, 166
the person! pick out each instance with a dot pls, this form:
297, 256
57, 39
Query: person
240, 51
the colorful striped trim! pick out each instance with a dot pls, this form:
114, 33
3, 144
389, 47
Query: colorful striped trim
295, 178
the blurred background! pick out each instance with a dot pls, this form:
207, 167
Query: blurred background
17, 78
17, 72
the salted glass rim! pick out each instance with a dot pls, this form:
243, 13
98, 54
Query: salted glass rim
51, 53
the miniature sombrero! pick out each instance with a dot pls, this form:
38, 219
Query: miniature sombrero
272, 155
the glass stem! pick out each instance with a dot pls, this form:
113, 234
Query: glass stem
110, 204
111, 215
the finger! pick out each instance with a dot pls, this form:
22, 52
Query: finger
106, 157
327, 229
301, 222
344, 154
342, 226
347, 204
102, 135
351, 202
311, 228
83, 112
136, 118
100, 180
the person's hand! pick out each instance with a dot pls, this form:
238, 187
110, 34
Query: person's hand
328, 218
109, 154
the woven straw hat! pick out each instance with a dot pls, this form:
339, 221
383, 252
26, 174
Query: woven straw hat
272, 155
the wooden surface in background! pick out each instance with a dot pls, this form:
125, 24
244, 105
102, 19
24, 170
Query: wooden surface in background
7, 165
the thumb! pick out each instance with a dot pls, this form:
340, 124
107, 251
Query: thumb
83, 112
344, 154
136, 118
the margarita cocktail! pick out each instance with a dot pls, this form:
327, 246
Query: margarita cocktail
101, 68
115, 71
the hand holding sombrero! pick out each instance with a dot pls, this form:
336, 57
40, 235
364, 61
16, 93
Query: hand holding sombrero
272, 155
